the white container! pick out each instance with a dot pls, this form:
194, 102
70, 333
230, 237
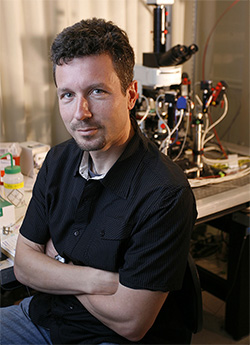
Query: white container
13, 185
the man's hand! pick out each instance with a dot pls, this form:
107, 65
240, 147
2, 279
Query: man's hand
104, 282
43, 273
50, 249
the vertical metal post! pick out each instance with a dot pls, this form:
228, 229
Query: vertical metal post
198, 144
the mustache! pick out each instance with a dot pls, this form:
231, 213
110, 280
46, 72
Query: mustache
84, 125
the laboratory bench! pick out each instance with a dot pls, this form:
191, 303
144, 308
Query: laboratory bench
226, 207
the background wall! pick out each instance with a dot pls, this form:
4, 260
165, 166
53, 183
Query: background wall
227, 59
28, 102
27, 27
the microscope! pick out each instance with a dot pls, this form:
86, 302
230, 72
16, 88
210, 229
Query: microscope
164, 91
165, 110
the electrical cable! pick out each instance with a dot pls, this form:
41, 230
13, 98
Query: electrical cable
211, 148
159, 115
147, 110
202, 181
165, 141
185, 137
218, 140
181, 111
203, 141
208, 139
205, 131
176, 138
178, 123
213, 125
211, 161
198, 99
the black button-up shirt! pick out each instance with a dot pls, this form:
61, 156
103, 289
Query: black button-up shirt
137, 221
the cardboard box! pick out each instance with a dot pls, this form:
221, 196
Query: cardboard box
7, 213
7, 217
32, 157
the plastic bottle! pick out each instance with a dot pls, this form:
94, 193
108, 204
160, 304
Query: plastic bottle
13, 183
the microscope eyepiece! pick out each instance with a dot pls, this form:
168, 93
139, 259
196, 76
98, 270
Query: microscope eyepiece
177, 55
173, 56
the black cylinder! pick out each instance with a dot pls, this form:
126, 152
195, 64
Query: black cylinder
159, 14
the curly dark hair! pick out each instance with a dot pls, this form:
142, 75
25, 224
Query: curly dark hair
94, 37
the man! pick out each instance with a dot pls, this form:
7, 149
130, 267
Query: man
115, 211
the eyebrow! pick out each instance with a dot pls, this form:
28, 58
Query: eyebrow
98, 85
61, 90
89, 87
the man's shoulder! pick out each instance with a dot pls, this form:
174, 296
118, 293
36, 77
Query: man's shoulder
65, 146
68, 148
162, 168
63, 156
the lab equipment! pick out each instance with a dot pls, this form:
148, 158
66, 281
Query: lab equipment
13, 183
211, 96
161, 83
32, 157
7, 217
13, 148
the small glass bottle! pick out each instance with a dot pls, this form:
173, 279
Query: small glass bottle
13, 183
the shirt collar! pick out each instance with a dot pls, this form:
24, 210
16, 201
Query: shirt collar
119, 177
84, 168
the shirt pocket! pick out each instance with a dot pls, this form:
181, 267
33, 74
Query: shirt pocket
115, 229
111, 241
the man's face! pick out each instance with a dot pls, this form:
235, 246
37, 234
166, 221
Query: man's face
92, 105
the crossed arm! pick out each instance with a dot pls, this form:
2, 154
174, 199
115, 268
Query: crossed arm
43, 273
128, 312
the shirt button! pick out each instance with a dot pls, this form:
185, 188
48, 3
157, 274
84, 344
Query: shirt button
102, 233
76, 233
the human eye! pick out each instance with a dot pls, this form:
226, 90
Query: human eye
98, 92
98, 89
66, 95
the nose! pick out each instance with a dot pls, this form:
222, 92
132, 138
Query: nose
82, 109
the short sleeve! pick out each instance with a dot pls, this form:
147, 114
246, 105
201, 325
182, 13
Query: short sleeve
34, 226
158, 249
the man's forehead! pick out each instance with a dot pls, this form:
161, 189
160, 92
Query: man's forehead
94, 69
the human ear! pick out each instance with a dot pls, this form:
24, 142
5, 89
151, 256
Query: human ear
132, 94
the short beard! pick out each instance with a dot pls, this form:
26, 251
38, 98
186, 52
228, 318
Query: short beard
91, 146
90, 143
